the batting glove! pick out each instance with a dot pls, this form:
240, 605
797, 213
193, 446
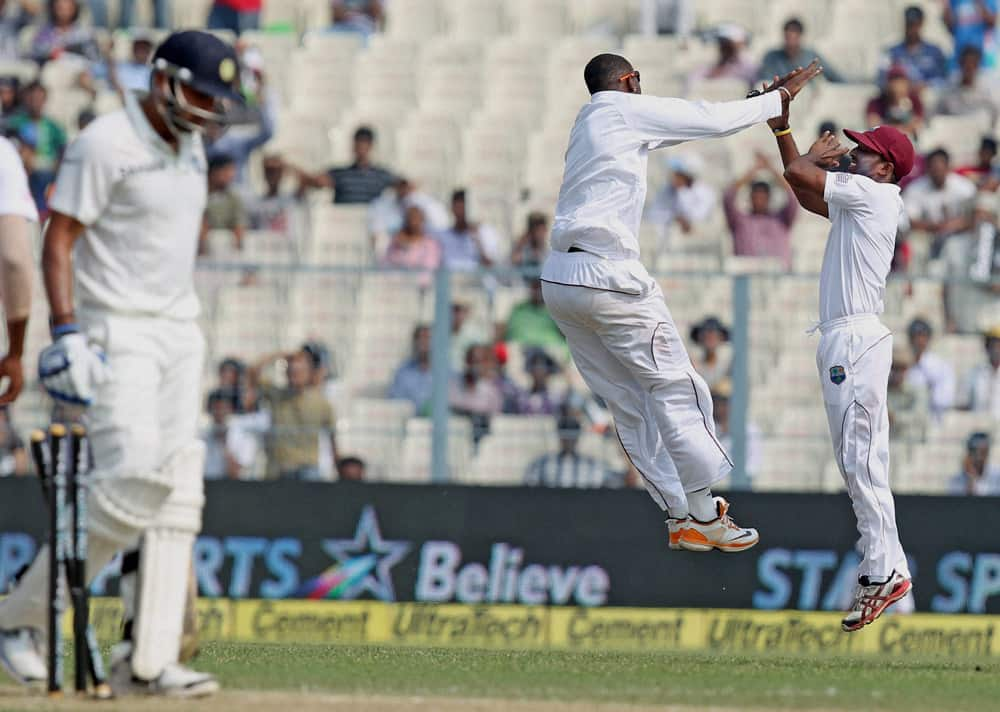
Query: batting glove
70, 369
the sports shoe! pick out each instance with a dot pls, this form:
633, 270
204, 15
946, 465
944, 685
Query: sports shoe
22, 655
721, 533
176, 680
674, 528
870, 601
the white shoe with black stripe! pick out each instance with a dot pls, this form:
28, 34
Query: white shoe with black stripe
176, 680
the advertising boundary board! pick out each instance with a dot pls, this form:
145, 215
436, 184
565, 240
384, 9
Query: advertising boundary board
544, 547
512, 627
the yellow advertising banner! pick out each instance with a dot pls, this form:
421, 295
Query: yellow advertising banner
513, 627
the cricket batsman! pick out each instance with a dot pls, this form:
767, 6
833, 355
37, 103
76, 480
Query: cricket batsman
17, 213
618, 327
855, 350
118, 262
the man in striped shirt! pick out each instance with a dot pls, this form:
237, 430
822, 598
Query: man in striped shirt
568, 468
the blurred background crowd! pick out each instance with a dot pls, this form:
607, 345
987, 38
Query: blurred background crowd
391, 145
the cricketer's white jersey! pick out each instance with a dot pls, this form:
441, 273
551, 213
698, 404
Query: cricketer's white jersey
15, 197
142, 206
864, 217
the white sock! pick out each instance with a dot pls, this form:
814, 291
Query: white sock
702, 505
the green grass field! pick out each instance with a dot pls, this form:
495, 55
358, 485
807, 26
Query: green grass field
697, 681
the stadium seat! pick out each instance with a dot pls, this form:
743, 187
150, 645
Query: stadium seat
413, 19
474, 19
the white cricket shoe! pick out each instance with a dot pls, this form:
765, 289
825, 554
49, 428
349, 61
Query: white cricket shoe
176, 680
721, 533
871, 601
22, 655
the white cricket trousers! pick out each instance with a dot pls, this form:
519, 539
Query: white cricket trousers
630, 354
854, 357
141, 416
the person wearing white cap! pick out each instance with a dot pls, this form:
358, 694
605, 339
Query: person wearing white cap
685, 200
732, 62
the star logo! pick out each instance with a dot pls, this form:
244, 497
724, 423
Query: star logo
363, 565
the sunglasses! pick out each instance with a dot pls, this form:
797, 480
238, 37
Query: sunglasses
629, 75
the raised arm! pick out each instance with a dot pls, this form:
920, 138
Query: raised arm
807, 174
667, 122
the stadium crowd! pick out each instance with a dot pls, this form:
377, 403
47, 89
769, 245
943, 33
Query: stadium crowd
277, 415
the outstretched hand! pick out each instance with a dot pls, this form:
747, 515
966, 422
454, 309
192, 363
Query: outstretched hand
790, 85
827, 151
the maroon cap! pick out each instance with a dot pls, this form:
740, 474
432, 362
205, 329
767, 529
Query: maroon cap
892, 144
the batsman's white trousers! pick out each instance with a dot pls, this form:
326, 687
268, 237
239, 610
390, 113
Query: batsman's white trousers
145, 413
854, 357
630, 354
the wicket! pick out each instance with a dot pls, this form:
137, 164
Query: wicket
64, 478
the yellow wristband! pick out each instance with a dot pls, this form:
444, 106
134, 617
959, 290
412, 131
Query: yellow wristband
782, 132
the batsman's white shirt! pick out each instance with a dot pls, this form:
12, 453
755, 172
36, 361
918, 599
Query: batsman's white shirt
619, 330
15, 196
855, 354
142, 206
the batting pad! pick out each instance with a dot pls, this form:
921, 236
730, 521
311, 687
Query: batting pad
164, 566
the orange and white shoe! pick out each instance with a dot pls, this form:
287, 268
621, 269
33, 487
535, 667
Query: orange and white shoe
871, 601
674, 528
721, 533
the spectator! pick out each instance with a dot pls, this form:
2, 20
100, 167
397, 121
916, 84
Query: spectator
385, 216
362, 16
929, 371
300, 412
761, 232
14, 17
412, 247
63, 34
230, 449
321, 378
224, 209
510, 392
36, 127
722, 393
981, 390
132, 75
10, 96
970, 93
539, 398
274, 210
531, 248
126, 18
924, 62
713, 358
413, 380
360, 182
13, 454
782, 60
898, 104
971, 23
467, 246
235, 15
530, 324
908, 405
474, 392
464, 333
982, 170
686, 199
972, 261
234, 385
977, 478
568, 468
733, 61
939, 202
352, 469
